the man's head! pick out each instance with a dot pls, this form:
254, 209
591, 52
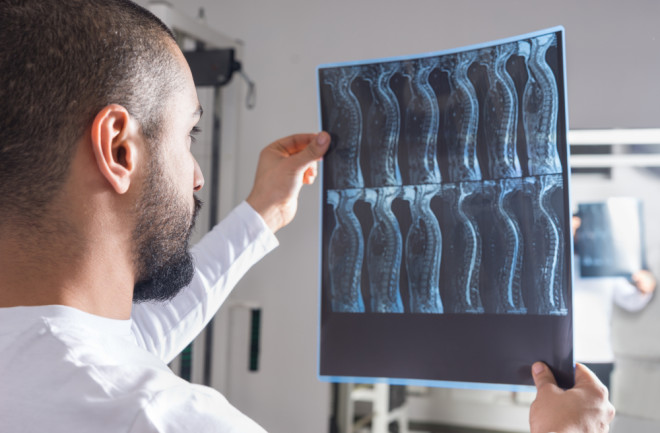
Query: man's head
72, 70
61, 62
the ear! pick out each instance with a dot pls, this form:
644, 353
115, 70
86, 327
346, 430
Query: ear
114, 137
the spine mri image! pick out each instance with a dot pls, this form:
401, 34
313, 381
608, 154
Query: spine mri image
444, 183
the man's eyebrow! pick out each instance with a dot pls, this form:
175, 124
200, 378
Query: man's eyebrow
198, 113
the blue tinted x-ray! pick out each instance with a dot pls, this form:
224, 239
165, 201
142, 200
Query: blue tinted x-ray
423, 250
345, 253
382, 126
345, 122
610, 239
445, 211
384, 247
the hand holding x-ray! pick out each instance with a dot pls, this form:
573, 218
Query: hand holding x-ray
644, 281
585, 408
284, 166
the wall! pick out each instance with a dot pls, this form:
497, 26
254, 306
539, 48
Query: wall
613, 64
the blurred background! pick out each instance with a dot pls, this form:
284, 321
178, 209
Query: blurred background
613, 64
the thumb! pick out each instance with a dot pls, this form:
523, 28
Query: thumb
542, 375
312, 152
584, 376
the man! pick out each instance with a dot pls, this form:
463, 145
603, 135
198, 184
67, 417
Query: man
593, 300
97, 202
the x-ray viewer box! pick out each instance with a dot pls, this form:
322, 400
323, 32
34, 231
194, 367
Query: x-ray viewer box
445, 237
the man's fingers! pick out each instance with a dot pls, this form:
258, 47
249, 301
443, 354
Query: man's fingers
310, 174
302, 149
644, 281
584, 376
293, 143
587, 380
542, 375
314, 150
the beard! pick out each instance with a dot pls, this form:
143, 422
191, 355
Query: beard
162, 235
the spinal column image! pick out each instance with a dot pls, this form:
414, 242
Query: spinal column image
444, 186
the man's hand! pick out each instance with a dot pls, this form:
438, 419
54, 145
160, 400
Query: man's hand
585, 408
284, 166
576, 222
644, 281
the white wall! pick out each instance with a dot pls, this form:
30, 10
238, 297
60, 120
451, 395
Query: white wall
613, 58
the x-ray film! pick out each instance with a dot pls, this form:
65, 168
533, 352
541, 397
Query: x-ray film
445, 217
610, 240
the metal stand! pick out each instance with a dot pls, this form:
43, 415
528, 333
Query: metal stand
381, 415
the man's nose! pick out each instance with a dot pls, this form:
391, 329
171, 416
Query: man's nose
198, 181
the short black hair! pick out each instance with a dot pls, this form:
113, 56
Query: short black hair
61, 62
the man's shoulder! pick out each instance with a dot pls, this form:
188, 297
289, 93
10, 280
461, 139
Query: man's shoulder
79, 377
190, 407
74, 376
